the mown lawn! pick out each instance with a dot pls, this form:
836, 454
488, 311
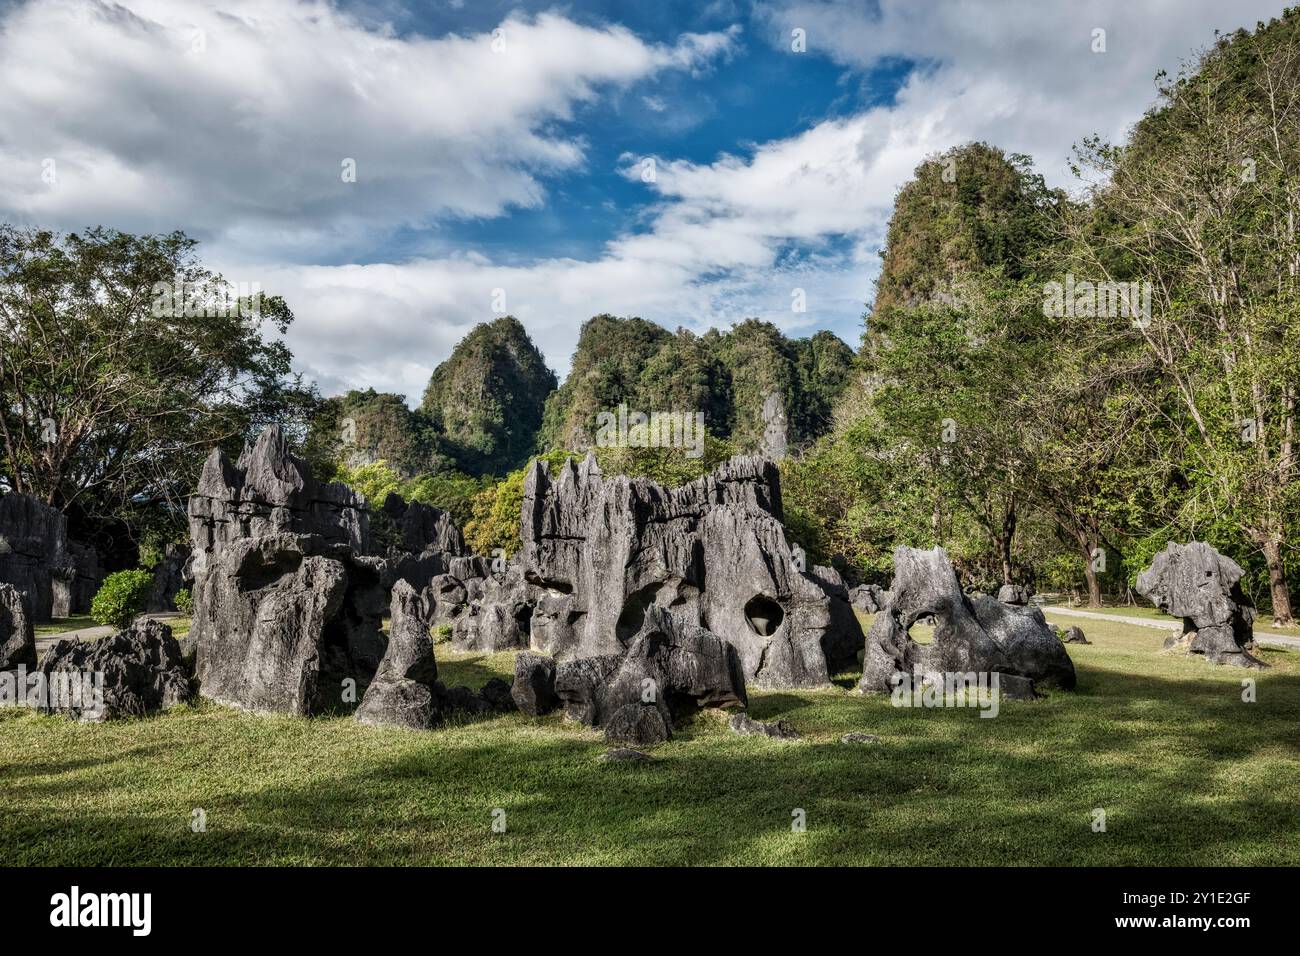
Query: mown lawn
1263, 622
59, 625
1187, 774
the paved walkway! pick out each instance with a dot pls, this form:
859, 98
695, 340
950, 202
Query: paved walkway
1268, 638
45, 641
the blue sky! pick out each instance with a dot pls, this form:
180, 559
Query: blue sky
499, 147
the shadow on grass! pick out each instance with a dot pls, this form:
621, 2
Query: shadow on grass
1185, 771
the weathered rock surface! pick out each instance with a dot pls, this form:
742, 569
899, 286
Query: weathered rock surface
500, 617
17, 643
776, 427
638, 725
534, 688
1015, 594
858, 737
869, 598
58, 576
670, 667
402, 693
269, 492
747, 726
1074, 635
282, 621
600, 552
981, 635
169, 577
1193, 581
142, 672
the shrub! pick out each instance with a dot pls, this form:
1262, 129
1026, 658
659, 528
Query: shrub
185, 602
122, 596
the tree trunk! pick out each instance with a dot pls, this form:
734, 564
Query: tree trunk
1089, 548
1005, 544
1280, 593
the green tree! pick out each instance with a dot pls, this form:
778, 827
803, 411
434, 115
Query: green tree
486, 400
1203, 204
113, 387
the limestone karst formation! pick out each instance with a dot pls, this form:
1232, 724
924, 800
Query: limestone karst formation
291, 587
599, 551
634, 604
1193, 581
139, 668
59, 576
971, 634
17, 644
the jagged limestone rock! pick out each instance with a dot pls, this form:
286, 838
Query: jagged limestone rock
534, 688
605, 550
283, 622
1015, 594
500, 618
981, 635
35, 556
1074, 635
671, 667
869, 598
1193, 581
402, 693
270, 491
747, 726
169, 577
17, 643
142, 670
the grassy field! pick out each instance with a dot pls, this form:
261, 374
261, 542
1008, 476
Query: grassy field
59, 625
1263, 622
1186, 772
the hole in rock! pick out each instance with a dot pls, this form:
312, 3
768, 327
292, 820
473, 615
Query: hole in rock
633, 614
764, 615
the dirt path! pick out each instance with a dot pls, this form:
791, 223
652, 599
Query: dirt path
1268, 638
45, 641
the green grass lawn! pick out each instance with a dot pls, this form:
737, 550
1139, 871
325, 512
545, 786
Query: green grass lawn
180, 625
1263, 622
1187, 773
59, 625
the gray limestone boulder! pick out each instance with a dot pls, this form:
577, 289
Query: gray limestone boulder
270, 491
34, 554
980, 636
169, 577
402, 692
1015, 594
747, 726
287, 623
1193, 581
499, 619
670, 666
534, 688
1027, 641
17, 643
869, 598
600, 552
140, 668
1074, 635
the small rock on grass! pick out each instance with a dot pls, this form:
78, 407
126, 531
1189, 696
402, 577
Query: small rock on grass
619, 754
749, 727
858, 737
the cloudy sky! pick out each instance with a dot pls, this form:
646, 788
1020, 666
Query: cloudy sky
681, 161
